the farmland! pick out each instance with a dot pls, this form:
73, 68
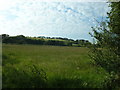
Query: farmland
54, 66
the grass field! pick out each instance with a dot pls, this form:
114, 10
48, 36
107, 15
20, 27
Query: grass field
65, 67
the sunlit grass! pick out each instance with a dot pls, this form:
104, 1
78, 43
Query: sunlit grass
70, 65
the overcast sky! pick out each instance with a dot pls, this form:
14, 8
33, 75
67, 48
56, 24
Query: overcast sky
53, 19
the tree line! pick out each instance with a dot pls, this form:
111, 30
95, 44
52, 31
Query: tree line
41, 40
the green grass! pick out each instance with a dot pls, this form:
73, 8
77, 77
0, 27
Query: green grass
64, 66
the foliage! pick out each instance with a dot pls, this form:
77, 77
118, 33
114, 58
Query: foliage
20, 39
114, 16
82, 43
106, 49
105, 54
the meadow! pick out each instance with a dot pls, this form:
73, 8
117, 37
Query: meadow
49, 67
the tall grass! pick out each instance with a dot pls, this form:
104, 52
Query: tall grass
61, 67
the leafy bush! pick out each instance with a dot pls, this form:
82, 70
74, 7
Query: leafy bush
105, 54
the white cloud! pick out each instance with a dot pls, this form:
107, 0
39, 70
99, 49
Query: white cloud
33, 18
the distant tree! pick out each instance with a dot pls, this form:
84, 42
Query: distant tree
55, 42
5, 36
82, 42
68, 43
71, 40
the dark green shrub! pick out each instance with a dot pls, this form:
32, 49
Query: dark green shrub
105, 53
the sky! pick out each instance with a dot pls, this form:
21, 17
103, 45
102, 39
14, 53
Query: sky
70, 19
